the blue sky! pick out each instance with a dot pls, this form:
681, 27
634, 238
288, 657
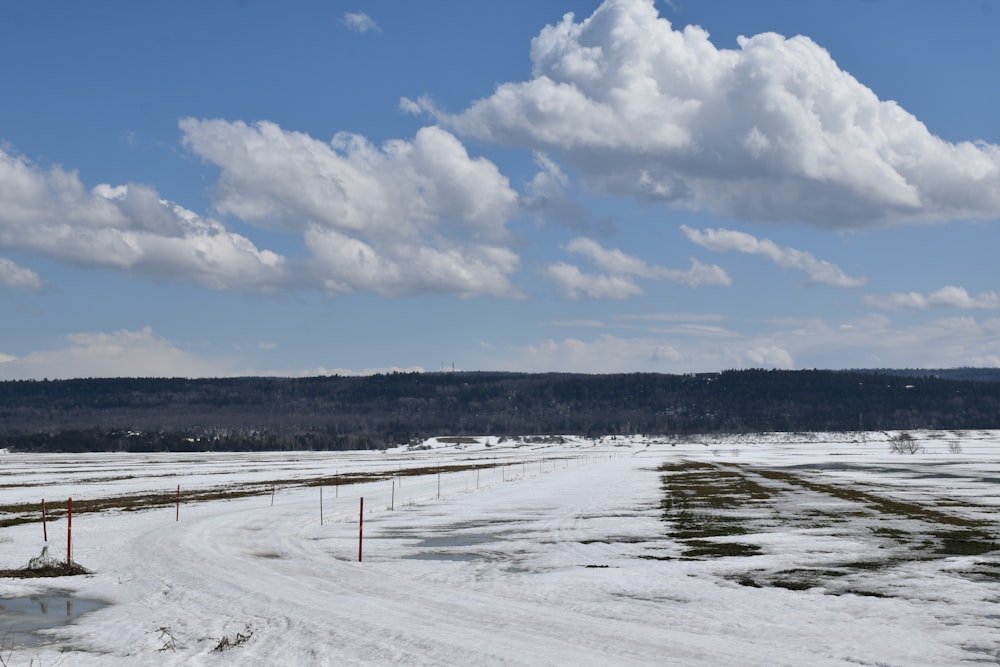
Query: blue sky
257, 188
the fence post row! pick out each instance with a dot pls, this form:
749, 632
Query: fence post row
177, 513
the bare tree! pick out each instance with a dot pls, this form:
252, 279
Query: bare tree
904, 443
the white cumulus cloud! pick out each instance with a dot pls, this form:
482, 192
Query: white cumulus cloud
771, 130
403, 217
946, 297
360, 22
620, 269
574, 283
616, 261
728, 240
128, 227
14, 276
122, 353
349, 264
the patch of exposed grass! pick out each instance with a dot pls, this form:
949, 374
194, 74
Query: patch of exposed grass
706, 549
60, 570
699, 528
858, 591
748, 581
812, 572
869, 565
795, 584
708, 486
984, 572
965, 543
616, 539
892, 533
878, 503
702, 501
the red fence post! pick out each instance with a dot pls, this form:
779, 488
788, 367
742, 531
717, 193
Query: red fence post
361, 526
69, 533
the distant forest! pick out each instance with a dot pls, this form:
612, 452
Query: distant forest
337, 413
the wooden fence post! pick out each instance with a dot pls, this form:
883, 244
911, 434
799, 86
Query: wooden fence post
45, 528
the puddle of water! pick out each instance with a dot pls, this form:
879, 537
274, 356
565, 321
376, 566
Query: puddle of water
837, 466
442, 555
22, 618
460, 540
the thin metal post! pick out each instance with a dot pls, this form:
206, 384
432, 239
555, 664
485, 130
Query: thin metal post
361, 527
69, 532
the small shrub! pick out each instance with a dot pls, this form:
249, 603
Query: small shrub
239, 639
167, 637
44, 565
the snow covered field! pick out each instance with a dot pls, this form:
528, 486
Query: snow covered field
771, 549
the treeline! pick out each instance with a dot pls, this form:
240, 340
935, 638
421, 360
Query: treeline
321, 413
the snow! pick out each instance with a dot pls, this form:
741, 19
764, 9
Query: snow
535, 553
